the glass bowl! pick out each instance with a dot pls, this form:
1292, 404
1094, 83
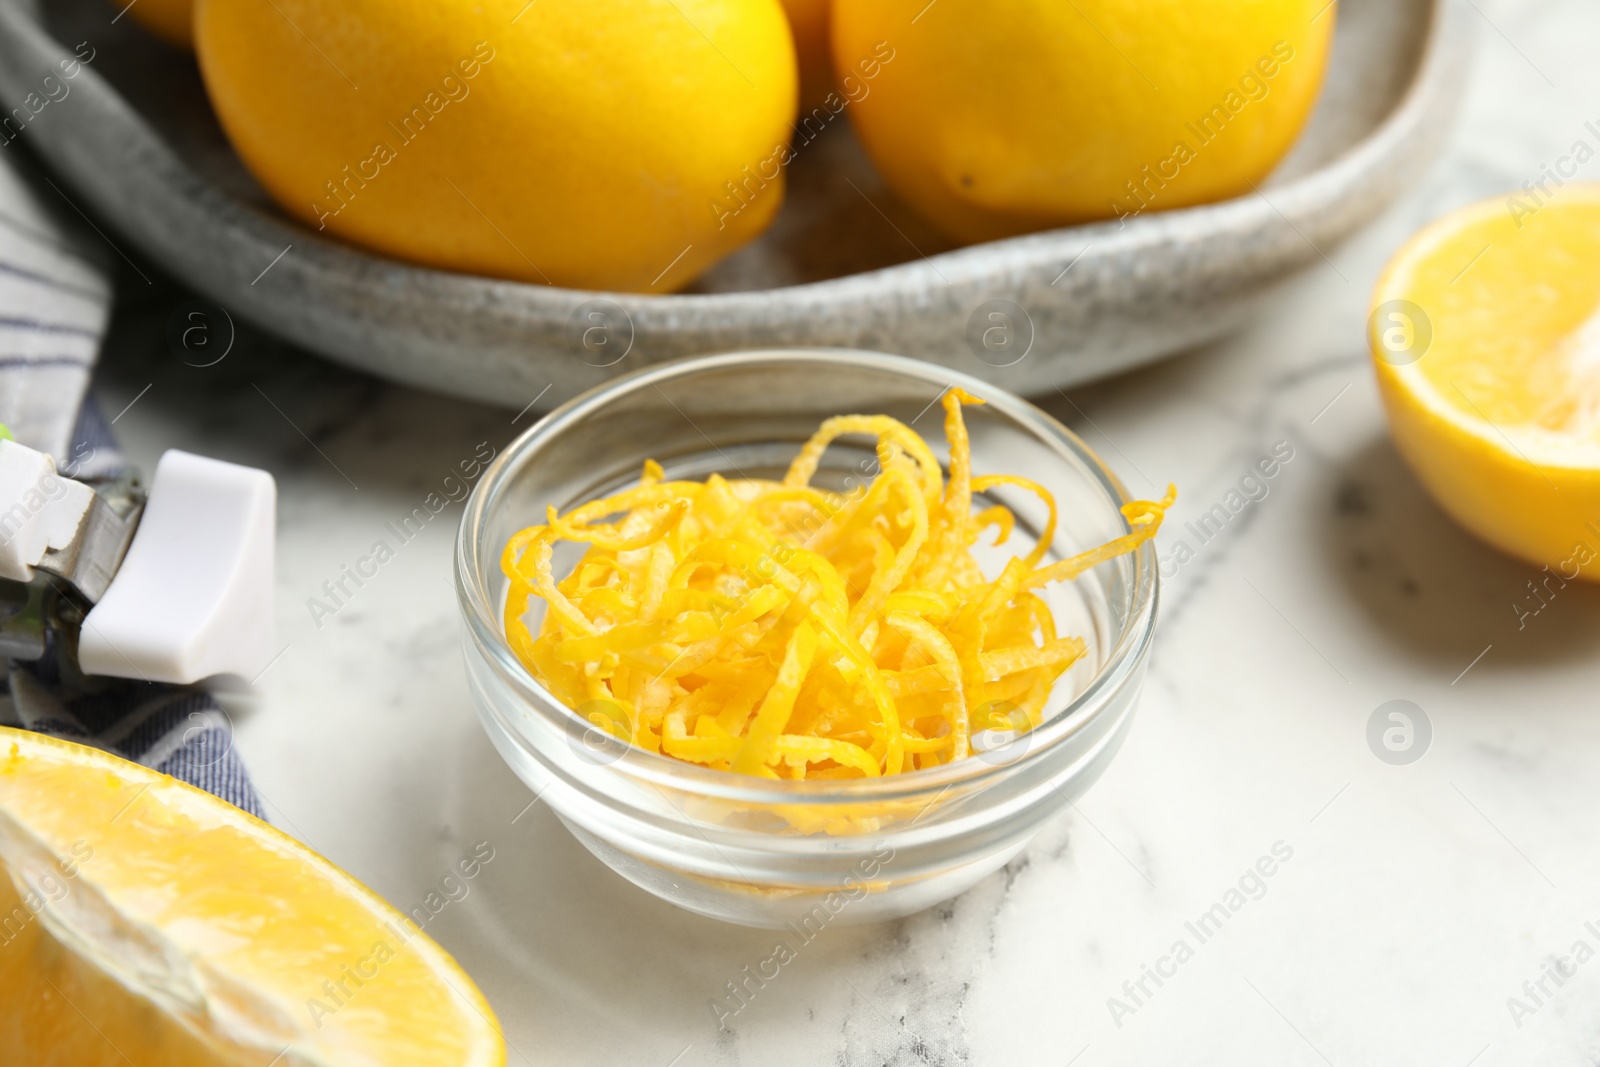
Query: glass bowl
804, 854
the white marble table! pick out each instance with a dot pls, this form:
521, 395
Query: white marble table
1415, 900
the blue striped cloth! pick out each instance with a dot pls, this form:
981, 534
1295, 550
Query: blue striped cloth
55, 301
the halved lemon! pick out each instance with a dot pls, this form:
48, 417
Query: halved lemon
145, 922
1485, 332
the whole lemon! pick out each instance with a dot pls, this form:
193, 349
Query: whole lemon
596, 144
171, 20
809, 20
998, 117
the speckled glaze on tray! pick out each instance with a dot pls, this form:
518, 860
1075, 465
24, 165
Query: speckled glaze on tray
845, 264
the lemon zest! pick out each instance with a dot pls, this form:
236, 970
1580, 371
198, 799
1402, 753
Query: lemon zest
780, 630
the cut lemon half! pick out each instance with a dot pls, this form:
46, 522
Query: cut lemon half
145, 922
1485, 332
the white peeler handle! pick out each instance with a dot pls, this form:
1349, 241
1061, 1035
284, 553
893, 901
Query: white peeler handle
193, 596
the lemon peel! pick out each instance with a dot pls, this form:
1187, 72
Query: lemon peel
775, 629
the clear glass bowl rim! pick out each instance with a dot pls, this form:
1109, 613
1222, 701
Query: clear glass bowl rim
483, 622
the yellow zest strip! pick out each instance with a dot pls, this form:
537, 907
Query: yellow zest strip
657, 574
957, 507
822, 749
1143, 515
919, 745
1000, 518
888, 432
860, 510
543, 551
949, 664
613, 538
1065, 652
887, 580
776, 707
1047, 536
935, 606
956, 510
677, 741
782, 631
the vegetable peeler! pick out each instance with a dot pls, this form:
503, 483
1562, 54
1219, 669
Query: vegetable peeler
170, 584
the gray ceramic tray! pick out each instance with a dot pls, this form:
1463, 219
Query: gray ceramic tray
844, 265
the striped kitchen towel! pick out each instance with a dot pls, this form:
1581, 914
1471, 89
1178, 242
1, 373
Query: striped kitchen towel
55, 302
55, 298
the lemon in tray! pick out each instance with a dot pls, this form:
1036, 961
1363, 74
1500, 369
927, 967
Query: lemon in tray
997, 117
1485, 335
145, 923
592, 144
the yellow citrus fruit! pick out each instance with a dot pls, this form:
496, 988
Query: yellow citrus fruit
602, 144
171, 20
1485, 332
998, 117
809, 21
144, 922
